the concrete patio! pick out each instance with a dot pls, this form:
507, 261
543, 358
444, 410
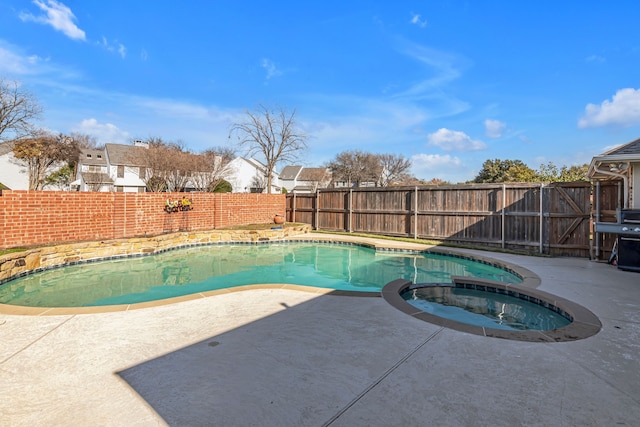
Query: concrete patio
278, 356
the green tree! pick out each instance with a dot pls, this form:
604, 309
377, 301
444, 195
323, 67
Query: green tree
222, 187
61, 178
505, 171
550, 173
574, 173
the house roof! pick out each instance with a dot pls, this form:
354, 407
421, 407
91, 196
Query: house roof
128, 155
255, 163
312, 174
89, 156
609, 165
632, 148
290, 172
6, 147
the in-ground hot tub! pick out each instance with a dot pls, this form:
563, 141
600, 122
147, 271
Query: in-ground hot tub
494, 309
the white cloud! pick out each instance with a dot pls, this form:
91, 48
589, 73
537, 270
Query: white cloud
172, 108
416, 19
104, 133
494, 128
453, 140
445, 167
622, 110
270, 67
595, 58
57, 15
13, 63
20, 65
116, 47
445, 69
435, 161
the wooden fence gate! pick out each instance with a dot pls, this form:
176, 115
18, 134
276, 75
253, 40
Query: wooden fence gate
549, 219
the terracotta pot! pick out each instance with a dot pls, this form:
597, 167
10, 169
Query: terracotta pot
278, 219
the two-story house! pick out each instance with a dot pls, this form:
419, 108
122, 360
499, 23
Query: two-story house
12, 175
249, 176
93, 172
299, 179
127, 166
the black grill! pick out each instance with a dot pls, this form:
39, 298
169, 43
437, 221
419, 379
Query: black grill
629, 244
630, 216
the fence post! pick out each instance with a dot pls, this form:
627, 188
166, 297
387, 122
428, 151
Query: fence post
293, 208
540, 250
350, 210
317, 209
597, 219
503, 214
415, 213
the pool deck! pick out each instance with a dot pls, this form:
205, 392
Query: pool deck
281, 356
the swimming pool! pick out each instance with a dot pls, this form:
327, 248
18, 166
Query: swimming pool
346, 267
491, 309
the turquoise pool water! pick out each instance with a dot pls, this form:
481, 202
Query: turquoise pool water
199, 269
487, 309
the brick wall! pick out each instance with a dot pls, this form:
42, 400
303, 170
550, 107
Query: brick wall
30, 218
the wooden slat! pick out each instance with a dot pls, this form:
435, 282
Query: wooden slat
464, 213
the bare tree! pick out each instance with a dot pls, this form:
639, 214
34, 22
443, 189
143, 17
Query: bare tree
273, 134
86, 141
18, 108
42, 153
393, 168
167, 165
96, 180
180, 170
157, 162
355, 167
210, 167
258, 182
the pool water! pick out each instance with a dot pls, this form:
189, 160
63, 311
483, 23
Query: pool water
486, 309
200, 269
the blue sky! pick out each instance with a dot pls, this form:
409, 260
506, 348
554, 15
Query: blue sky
448, 84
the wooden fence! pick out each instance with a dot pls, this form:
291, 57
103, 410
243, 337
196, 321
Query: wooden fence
533, 218
608, 198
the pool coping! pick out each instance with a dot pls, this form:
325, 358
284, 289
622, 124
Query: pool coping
529, 279
584, 323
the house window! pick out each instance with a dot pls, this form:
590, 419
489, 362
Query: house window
119, 188
121, 171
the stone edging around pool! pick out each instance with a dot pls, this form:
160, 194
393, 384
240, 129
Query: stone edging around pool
584, 323
40, 259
